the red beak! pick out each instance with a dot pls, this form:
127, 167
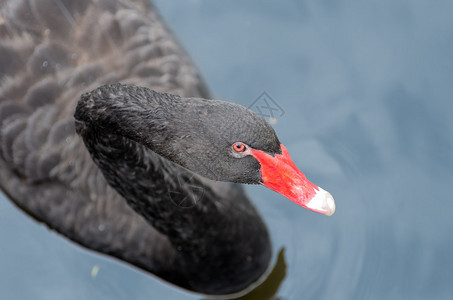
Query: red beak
280, 174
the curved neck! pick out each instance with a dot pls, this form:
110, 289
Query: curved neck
215, 229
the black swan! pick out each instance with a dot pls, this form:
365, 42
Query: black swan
156, 158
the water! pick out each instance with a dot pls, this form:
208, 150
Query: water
366, 90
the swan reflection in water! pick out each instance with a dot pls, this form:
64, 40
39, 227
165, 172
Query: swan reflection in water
108, 178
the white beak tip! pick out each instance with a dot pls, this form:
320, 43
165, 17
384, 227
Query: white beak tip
322, 202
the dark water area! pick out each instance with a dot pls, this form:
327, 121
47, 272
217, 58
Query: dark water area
363, 94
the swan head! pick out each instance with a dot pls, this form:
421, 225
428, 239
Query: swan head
229, 142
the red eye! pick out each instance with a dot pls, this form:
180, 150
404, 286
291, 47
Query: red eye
239, 147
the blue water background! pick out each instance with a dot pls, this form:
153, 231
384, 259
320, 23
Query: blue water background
366, 89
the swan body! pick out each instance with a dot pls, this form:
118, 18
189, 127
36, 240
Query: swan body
49, 55
133, 172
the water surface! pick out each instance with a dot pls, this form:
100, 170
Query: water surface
365, 91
